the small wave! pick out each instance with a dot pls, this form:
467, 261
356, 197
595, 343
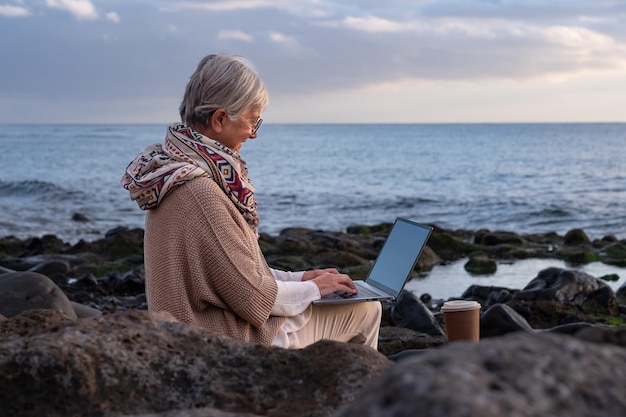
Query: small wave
551, 212
33, 188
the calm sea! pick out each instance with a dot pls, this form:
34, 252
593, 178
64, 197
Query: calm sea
517, 177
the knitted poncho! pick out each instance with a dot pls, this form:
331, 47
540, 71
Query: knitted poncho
205, 267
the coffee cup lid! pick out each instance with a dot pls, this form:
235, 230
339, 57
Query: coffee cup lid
459, 305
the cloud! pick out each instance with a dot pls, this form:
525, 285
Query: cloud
113, 17
7, 10
81, 9
284, 40
234, 34
375, 24
308, 48
225, 5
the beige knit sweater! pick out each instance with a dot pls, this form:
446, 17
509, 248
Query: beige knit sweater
204, 265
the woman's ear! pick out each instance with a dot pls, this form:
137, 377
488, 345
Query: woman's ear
217, 120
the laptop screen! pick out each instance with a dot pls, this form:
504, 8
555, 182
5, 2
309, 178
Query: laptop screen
398, 256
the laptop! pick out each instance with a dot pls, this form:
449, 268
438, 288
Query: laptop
393, 265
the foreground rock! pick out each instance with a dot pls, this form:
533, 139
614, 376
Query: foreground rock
139, 362
143, 364
522, 375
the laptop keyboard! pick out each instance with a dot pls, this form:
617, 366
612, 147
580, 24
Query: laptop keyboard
361, 291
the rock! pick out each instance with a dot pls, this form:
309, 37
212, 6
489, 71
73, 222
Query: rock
138, 362
394, 340
501, 319
520, 375
609, 277
621, 293
616, 253
601, 301
79, 217
82, 311
561, 285
21, 291
576, 237
498, 238
488, 295
31, 321
427, 260
44, 244
481, 265
448, 246
4, 270
131, 282
409, 312
603, 335
55, 270
570, 328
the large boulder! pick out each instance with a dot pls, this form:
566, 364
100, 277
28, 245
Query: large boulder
521, 374
570, 287
21, 291
135, 362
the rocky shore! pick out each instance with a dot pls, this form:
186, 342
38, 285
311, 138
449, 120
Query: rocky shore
76, 339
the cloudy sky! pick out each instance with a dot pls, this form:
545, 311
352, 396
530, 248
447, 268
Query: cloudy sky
358, 61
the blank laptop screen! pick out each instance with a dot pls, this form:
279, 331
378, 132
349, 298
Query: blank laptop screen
398, 256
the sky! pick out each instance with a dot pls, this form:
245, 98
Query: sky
323, 61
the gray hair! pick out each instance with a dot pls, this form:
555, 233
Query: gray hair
222, 82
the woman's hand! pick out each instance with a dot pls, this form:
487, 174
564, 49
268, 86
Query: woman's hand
314, 273
332, 281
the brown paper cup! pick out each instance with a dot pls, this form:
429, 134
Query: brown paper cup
462, 320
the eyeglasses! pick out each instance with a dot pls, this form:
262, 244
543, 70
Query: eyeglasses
256, 125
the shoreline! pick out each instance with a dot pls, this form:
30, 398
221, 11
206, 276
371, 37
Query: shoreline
479, 255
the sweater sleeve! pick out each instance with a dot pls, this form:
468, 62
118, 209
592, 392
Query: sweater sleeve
286, 275
294, 297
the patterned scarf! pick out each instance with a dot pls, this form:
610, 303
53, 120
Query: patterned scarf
186, 154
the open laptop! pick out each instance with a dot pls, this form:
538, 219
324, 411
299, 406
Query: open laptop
392, 268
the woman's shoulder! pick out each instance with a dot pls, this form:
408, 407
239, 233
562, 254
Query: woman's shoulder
199, 191
203, 184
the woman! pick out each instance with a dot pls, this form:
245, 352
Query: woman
202, 257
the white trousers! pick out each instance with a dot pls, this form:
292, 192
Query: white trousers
351, 322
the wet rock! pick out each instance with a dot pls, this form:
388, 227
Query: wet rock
79, 217
615, 253
576, 237
448, 246
481, 265
488, 238
621, 293
521, 374
561, 285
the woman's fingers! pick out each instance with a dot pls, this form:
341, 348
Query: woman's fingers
329, 282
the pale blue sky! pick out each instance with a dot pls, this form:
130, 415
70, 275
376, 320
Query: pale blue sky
127, 61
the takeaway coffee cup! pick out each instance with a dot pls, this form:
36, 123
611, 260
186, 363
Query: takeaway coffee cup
462, 320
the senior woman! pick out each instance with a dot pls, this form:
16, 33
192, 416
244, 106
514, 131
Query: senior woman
202, 258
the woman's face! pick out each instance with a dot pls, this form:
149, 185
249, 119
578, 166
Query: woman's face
232, 133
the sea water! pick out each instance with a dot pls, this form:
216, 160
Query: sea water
524, 178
